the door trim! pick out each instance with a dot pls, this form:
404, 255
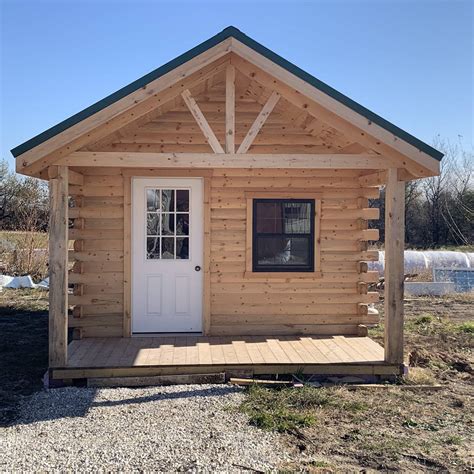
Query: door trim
127, 248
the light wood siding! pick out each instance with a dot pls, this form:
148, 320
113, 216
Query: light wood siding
329, 304
98, 254
335, 302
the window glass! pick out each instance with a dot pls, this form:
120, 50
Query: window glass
182, 200
283, 251
153, 199
182, 224
153, 247
182, 248
167, 224
283, 235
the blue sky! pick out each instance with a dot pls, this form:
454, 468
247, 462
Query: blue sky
410, 61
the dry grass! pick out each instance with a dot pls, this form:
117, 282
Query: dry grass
334, 429
24, 253
420, 376
18, 238
385, 430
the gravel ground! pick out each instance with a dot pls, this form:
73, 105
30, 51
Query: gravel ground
176, 428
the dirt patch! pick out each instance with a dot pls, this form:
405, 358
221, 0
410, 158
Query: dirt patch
439, 336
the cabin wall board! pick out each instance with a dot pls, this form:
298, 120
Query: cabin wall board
323, 303
98, 256
331, 302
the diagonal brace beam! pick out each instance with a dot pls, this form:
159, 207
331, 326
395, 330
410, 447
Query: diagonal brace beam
202, 122
259, 122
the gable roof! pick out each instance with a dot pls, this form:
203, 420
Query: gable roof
228, 32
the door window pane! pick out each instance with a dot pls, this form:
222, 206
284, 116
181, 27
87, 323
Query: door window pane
182, 248
182, 224
182, 200
167, 247
152, 199
167, 220
153, 224
167, 200
167, 224
153, 247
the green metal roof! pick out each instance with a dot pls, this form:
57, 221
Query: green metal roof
223, 35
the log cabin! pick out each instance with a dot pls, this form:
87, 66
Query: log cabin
212, 216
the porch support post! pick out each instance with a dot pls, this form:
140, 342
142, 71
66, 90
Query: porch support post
58, 259
394, 266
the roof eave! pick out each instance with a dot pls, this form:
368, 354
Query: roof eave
192, 53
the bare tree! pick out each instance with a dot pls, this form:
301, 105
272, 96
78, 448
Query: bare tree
439, 209
23, 201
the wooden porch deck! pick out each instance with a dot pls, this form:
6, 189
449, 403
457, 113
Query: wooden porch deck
169, 355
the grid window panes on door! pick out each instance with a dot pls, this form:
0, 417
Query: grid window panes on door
283, 235
167, 224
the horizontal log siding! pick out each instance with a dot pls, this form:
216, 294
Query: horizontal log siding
326, 305
97, 272
239, 306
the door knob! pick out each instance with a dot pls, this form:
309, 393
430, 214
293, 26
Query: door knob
197, 268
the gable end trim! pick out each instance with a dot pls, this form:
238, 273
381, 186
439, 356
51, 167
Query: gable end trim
201, 48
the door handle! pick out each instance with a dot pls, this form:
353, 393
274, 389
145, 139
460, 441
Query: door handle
197, 268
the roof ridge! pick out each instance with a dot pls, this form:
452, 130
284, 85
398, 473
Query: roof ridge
229, 31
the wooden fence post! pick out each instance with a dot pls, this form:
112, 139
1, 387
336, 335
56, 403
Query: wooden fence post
394, 266
58, 259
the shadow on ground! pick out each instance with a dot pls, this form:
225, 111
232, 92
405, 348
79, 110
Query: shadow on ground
73, 402
23, 353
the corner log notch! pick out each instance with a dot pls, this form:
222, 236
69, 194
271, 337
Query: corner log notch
58, 258
394, 266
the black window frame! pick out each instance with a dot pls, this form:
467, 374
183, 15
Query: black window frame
283, 268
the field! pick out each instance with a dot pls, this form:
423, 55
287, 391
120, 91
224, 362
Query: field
324, 429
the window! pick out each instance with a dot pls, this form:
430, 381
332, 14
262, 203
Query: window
283, 235
167, 224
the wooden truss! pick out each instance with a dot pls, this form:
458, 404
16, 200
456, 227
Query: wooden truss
268, 85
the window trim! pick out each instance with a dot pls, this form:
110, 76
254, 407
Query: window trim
249, 250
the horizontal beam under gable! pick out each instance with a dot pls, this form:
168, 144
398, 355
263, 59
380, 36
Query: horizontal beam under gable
224, 160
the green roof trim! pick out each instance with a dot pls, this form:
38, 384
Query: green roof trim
228, 32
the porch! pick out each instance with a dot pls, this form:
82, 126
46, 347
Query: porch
253, 355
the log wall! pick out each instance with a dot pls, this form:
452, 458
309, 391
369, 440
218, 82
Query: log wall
97, 255
335, 302
331, 303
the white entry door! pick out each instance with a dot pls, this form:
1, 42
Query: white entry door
167, 254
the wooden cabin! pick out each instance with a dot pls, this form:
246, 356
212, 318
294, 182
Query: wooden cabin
218, 208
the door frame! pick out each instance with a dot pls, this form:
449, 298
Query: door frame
128, 174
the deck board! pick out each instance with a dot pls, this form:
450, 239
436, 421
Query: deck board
187, 354
204, 351
241, 351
